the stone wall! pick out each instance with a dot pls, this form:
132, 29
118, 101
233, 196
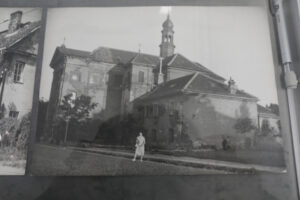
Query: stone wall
19, 95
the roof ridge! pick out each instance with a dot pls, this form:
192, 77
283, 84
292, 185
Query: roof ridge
190, 81
129, 51
172, 60
73, 49
192, 62
224, 84
37, 25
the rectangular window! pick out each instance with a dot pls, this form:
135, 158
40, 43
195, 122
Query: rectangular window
141, 77
13, 114
18, 73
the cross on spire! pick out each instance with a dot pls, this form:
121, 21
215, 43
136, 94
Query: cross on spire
140, 48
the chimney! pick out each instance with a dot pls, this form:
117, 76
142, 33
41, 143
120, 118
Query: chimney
232, 86
160, 78
15, 21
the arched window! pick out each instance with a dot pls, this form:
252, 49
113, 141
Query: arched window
166, 39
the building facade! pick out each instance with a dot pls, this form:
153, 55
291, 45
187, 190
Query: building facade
18, 54
172, 95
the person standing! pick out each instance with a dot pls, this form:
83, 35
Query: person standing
139, 147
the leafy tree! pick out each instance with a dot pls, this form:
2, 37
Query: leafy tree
8, 128
244, 125
73, 113
78, 109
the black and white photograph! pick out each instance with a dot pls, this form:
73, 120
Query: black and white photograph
19, 40
157, 91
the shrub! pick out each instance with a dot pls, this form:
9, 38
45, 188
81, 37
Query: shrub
10, 126
23, 133
244, 125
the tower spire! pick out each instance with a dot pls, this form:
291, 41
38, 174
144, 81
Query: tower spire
167, 43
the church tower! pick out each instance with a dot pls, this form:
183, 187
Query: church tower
167, 43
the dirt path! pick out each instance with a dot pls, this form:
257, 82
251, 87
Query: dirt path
7, 170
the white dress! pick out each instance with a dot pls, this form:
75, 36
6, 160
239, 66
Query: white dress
140, 146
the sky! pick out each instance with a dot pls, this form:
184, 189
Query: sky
29, 14
231, 41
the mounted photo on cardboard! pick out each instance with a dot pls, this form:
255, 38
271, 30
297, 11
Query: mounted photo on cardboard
19, 40
158, 91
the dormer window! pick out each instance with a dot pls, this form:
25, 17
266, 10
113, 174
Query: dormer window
18, 72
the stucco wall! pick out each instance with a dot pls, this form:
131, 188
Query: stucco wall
137, 89
103, 92
209, 118
20, 94
132, 88
206, 118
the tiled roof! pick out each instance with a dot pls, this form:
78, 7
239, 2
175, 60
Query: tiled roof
196, 83
205, 84
262, 109
8, 40
116, 56
209, 73
146, 59
73, 52
171, 87
181, 62
111, 55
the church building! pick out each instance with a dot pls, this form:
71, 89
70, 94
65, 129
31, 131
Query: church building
173, 96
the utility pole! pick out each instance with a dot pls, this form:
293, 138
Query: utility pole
3, 77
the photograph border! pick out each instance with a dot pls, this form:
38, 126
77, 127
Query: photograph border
282, 95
